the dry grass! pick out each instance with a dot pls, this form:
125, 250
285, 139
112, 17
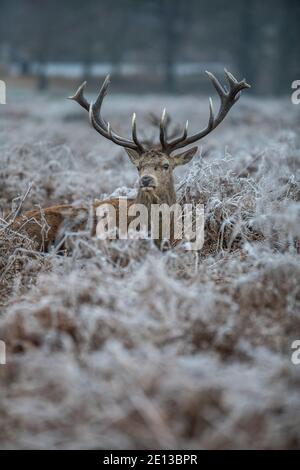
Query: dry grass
122, 346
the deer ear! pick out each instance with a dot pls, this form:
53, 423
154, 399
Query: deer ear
184, 157
133, 155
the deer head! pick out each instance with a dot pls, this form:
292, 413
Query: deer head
156, 164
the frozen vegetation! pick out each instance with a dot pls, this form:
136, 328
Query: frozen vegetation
122, 346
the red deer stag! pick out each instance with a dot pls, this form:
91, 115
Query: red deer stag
155, 164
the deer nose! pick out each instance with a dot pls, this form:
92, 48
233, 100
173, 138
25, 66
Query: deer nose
146, 181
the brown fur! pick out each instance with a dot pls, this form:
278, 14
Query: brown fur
47, 227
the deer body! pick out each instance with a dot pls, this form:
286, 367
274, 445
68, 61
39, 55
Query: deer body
154, 165
48, 227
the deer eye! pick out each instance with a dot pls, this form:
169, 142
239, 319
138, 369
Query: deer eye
166, 166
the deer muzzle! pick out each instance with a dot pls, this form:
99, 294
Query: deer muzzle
148, 182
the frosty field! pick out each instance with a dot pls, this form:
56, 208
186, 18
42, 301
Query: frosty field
122, 346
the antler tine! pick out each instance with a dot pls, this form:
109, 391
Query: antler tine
99, 123
231, 79
228, 98
162, 130
211, 114
79, 97
109, 130
134, 133
185, 131
111, 135
99, 100
96, 119
219, 88
182, 137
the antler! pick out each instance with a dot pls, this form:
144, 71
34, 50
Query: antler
99, 123
227, 97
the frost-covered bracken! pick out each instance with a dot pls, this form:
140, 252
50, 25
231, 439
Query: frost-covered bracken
123, 346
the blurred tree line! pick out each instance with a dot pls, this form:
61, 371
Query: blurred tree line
255, 39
